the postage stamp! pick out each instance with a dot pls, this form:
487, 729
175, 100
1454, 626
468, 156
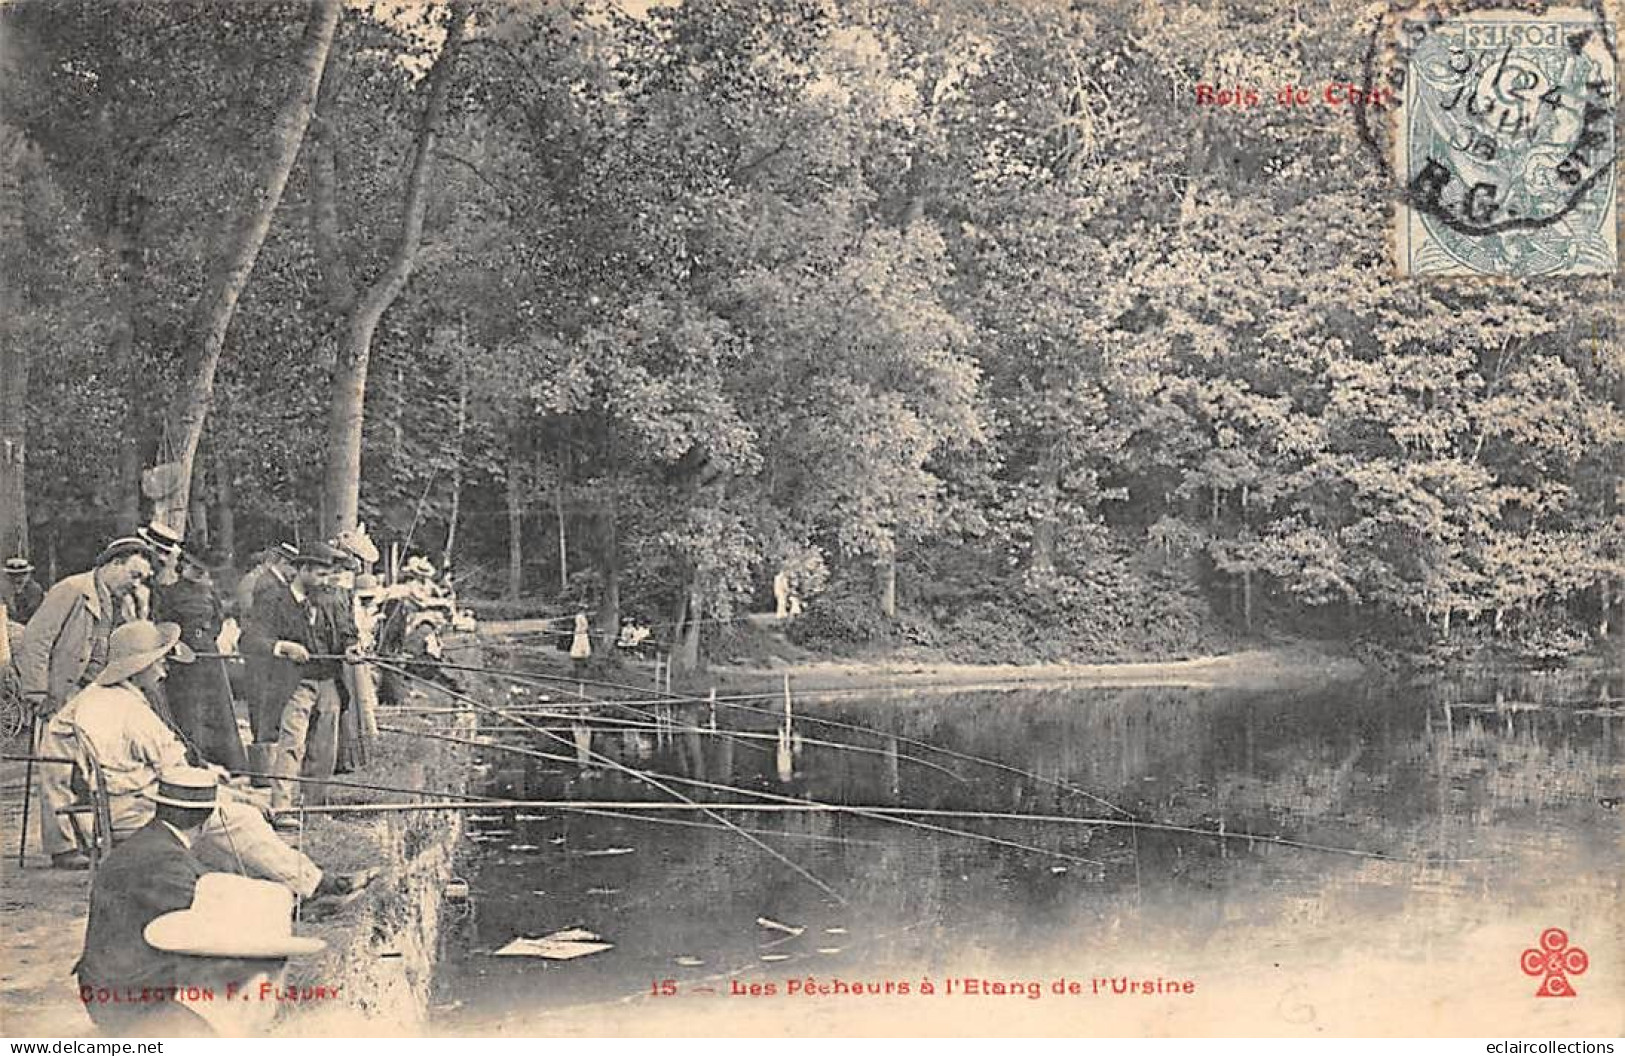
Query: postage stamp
1506, 145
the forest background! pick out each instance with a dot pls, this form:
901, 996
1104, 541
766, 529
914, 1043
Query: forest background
963, 312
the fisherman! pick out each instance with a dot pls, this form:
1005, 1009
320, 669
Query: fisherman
425, 653
162, 927
64, 647
275, 565
273, 614
23, 593
199, 694
166, 548
112, 722
366, 594
334, 633
283, 634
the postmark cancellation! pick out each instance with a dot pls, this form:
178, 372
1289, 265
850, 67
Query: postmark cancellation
1505, 142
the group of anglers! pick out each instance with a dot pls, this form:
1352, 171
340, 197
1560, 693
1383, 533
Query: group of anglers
124, 669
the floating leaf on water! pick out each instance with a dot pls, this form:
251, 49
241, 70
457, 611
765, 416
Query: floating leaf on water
605, 852
531, 817
688, 962
523, 847
775, 956
485, 817
829, 949
834, 931
556, 840
1057, 870
774, 925
603, 890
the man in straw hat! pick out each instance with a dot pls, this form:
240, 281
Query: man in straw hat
20, 591
172, 950
114, 720
64, 647
167, 549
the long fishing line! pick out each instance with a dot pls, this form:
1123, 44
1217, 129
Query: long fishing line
646, 778
907, 822
535, 677
731, 734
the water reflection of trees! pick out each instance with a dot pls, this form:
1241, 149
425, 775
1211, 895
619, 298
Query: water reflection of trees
1376, 766
1425, 773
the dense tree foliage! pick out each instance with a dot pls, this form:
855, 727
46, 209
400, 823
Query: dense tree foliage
962, 303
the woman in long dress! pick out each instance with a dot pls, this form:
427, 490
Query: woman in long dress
199, 693
581, 643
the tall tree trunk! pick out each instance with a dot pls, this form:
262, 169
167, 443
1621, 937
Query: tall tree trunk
13, 438
231, 275
564, 540
457, 469
343, 475
609, 603
886, 573
397, 423
1049, 482
127, 502
225, 489
1247, 599
516, 525
122, 242
686, 656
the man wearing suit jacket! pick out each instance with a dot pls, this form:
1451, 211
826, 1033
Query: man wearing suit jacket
64, 647
152, 873
172, 950
299, 702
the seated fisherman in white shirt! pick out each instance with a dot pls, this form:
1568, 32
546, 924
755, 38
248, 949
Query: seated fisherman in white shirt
115, 722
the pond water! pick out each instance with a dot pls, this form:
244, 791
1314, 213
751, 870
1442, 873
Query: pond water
1454, 821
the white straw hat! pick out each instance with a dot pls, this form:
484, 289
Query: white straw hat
136, 646
185, 786
233, 916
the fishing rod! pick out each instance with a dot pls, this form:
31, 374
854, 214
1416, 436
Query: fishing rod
548, 679
363, 785
881, 812
706, 730
814, 836
842, 808
477, 800
861, 811
739, 736
638, 775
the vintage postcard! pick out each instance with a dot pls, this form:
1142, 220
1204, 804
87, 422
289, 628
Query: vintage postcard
824, 518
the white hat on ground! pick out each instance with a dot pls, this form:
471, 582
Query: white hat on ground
233, 916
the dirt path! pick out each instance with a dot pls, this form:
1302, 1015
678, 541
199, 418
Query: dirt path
42, 930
